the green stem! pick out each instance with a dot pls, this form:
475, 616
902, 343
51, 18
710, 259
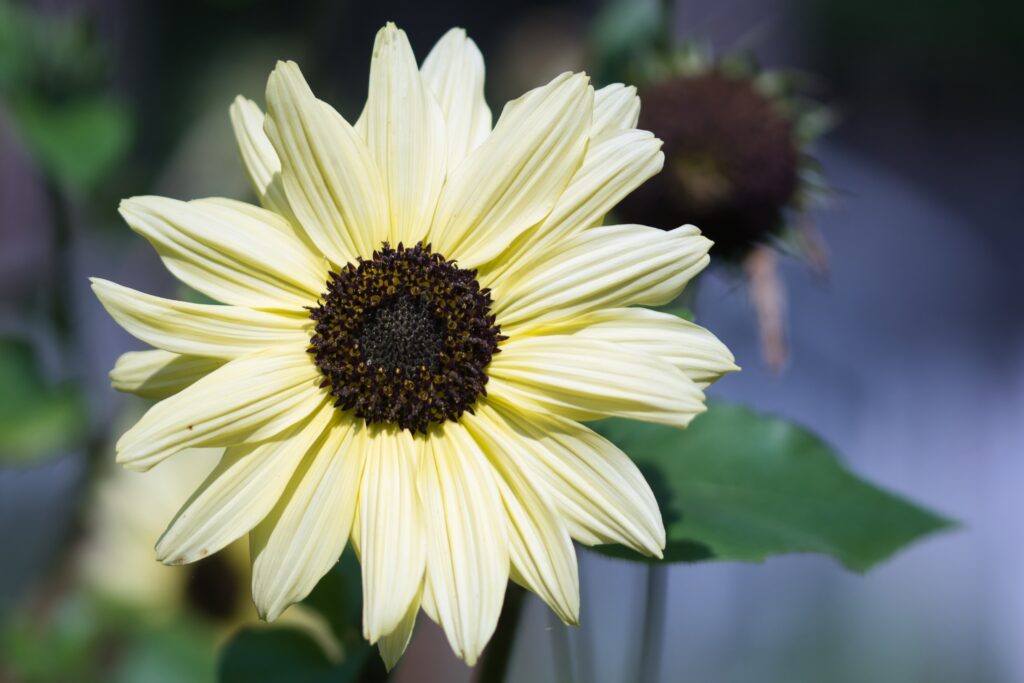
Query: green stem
668, 13
498, 655
654, 622
61, 302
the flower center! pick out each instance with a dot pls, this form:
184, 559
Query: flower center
404, 338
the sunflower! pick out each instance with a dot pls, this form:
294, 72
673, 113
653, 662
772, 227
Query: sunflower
413, 326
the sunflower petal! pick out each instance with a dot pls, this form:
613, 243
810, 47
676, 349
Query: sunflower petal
198, 329
405, 132
258, 156
332, 183
600, 492
587, 379
226, 254
392, 550
542, 554
159, 374
614, 166
689, 347
616, 107
392, 646
251, 398
614, 265
467, 539
454, 71
513, 180
303, 536
239, 493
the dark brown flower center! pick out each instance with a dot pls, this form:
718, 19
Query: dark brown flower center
405, 338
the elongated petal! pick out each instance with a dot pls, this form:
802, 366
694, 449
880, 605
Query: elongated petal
226, 254
688, 347
392, 550
405, 132
467, 539
393, 645
258, 156
333, 185
512, 180
600, 492
303, 536
543, 557
240, 491
454, 71
616, 107
586, 379
253, 397
614, 265
198, 329
159, 374
614, 166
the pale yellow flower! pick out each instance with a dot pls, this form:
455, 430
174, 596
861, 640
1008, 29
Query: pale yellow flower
450, 287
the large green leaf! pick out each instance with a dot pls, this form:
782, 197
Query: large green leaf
740, 486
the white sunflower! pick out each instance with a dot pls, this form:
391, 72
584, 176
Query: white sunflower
414, 325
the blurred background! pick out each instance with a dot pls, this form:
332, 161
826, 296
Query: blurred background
899, 322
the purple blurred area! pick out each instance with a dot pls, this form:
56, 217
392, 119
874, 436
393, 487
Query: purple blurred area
907, 356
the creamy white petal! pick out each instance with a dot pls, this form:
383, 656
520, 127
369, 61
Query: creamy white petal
467, 538
304, 535
613, 265
393, 645
159, 374
333, 185
542, 554
258, 156
199, 329
405, 132
614, 166
285, 224
241, 490
687, 346
454, 71
391, 540
616, 107
249, 399
513, 180
226, 254
600, 492
586, 379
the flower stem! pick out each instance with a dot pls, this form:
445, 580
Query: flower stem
654, 623
498, 655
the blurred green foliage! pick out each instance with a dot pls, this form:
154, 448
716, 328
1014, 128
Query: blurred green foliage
81, 639
37, 419
53, 85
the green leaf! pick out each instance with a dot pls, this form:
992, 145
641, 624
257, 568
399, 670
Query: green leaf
77, 142
273, 654
736, 485
36, 419
339, 598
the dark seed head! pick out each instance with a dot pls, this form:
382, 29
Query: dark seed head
731, 161
404, 338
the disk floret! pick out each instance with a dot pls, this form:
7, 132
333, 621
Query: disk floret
405, 337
